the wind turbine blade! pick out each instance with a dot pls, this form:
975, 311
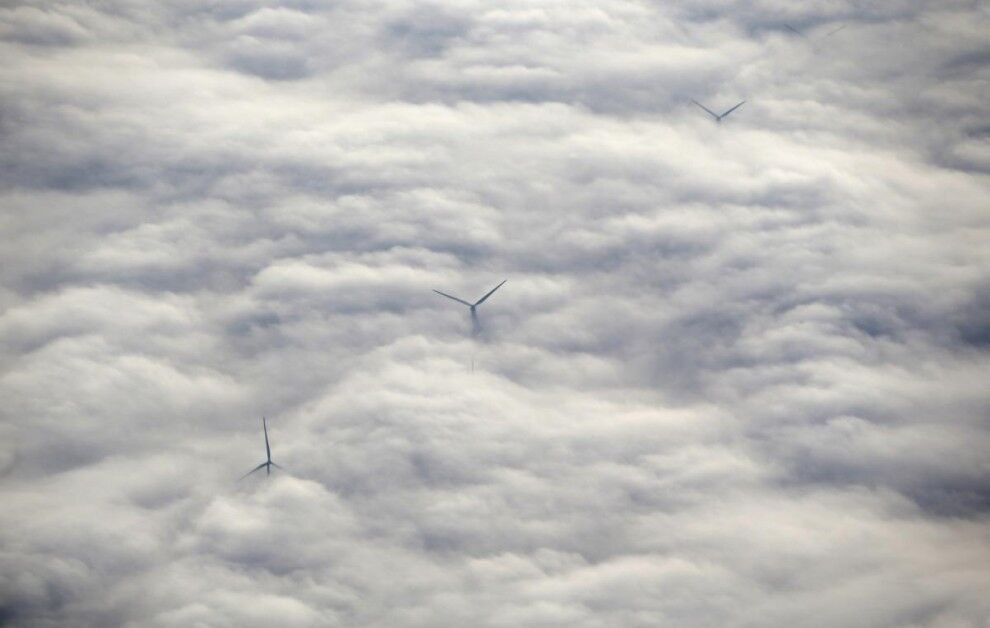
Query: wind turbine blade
268, 449
257, 468
278, 466
482, 299
454, 298
731, 110
794, 30
832, 32
710, 112
475, 323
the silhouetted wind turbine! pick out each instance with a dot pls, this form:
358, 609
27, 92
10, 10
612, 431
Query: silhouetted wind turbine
475, 326
718, 118
268, 464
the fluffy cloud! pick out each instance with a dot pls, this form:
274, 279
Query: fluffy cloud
736, 377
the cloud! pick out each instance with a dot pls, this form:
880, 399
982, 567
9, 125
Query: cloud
736, 376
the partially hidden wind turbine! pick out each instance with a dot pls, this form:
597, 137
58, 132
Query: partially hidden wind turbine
718, 118
268, 464
475, 326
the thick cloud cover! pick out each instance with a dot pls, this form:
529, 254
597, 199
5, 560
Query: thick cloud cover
738, 374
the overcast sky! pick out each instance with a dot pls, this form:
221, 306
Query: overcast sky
737, 376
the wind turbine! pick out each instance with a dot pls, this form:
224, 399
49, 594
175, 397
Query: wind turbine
475, 326
268, 464
718, 118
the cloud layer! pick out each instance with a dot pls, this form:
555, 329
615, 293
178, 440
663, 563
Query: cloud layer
737, 375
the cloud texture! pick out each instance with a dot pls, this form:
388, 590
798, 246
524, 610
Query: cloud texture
737, 377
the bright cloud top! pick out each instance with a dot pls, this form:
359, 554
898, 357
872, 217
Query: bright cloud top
737, 375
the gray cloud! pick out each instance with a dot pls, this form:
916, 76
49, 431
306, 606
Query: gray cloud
736, 377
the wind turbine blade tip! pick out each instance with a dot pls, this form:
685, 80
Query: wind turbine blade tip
709, 111
444, 294
257, 468
490, 293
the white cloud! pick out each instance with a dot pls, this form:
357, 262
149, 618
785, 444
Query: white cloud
736, 376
